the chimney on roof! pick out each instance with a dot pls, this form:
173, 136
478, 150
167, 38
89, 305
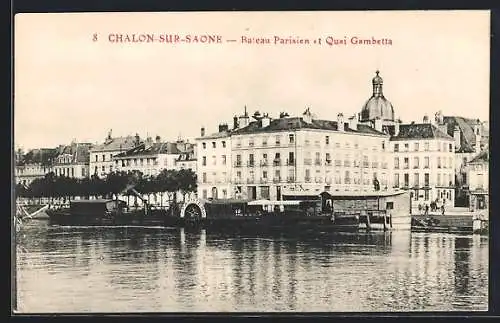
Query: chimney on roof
202, 132
137, 139
353, 122
244, 119
158, 139
396, 127
425, 119
378, 124
265, 121
438, 117
235, 122
307, 115
456, 136
340, 122
477, 133
223, 127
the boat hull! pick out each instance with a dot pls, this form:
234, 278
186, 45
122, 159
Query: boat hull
134, 218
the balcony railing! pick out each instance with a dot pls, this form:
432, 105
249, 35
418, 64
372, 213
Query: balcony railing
263, 163
251, 164
317, 162
318, 180
238, 181
277, 162
263, 180
290, 179
237, 164
276, 179
307, 179
290, 162
250, 181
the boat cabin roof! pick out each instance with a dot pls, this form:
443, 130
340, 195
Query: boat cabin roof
227, 201
97, 201
268, 202
360, 195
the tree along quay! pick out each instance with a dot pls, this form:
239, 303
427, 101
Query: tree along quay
63, 188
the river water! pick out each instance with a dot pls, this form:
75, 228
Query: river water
172, 270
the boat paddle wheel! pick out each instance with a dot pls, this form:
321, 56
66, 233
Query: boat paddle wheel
192, 212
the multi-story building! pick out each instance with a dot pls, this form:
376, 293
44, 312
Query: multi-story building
72, 160
149, 157
271, 157
478, 181
421, 155
265, 157
424, 162
471, 137
36, 163
101, 160
213, 163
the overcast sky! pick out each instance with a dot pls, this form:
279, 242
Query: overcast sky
69, 87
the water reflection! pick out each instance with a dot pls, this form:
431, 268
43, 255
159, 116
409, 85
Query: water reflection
134, 269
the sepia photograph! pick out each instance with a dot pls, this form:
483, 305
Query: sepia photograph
301, 161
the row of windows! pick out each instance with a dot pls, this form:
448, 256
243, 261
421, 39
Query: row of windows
103, 157
442, 180
291, 140
416, 147
138, 162
68, 171
441, 162
214, 144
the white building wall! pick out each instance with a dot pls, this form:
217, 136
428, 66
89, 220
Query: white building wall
214, 174
310, 170
440, 169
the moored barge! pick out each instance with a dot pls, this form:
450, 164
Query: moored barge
109, 212
343, 212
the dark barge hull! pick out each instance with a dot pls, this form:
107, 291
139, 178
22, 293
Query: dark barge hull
238, 224
160, 218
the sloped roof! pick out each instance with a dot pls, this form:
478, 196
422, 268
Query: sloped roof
467, 135
417, 131
113, 144
216, 135
483, 157
152, 149
79, 151
295, 123
43, 156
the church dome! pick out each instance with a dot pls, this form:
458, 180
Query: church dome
377, 106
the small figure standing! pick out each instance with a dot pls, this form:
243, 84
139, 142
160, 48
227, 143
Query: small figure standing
426, 209
442, 209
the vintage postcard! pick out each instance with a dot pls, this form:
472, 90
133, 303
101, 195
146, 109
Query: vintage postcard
251, 162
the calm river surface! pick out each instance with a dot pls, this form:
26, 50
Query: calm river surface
171, 270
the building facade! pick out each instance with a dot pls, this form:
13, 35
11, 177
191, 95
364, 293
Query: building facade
471, 137
424, 163
213, 164
150, 158
373, 150
101, 160
73, 160
478, 181
273, 157
36, 163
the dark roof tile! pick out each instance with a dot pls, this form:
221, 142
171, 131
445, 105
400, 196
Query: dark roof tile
417, 131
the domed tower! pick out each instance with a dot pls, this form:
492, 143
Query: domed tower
377, 107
